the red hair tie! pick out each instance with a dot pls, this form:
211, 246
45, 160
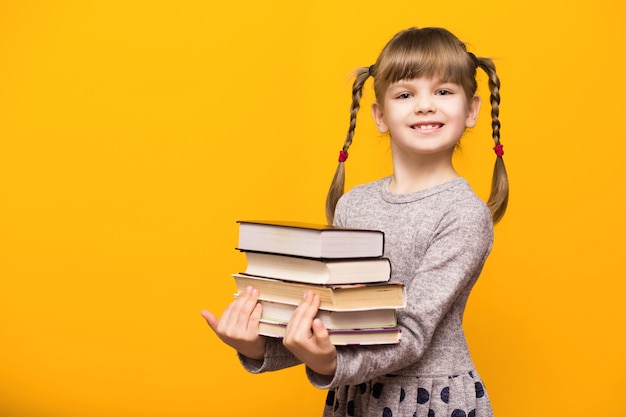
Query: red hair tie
343, 156
499, 150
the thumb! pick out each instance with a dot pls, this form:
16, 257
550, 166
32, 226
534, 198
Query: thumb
319, 330
210, 319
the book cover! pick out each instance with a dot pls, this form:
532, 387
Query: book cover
309, 240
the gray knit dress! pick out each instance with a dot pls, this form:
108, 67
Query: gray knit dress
437, 240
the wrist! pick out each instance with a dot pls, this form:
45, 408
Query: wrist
326, 369
256, 352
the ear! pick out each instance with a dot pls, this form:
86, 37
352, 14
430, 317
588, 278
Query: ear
472, 114
379, 119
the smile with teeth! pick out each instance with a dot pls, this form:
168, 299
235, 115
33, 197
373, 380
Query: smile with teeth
427, 126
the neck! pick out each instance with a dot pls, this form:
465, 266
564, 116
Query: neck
421, 172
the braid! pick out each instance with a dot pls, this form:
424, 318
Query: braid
337, 185
499, 197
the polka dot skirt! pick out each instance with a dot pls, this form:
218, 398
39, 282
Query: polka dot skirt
461, 395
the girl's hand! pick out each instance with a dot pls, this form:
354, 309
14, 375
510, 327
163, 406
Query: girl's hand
239, 324
307, 338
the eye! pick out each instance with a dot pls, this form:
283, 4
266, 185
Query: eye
404, 96
443, 92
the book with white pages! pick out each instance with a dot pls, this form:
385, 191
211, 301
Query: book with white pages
383, 336
336, 320
318, 270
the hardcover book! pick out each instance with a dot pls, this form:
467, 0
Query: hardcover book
336, 320
318, 271
342, 337
344, 297
309, 240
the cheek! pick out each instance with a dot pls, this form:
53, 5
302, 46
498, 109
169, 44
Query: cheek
394, 122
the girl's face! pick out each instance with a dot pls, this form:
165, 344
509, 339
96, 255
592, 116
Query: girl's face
425, 116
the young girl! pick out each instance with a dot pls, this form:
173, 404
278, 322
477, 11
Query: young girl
438, 234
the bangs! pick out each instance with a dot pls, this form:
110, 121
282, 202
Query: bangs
429, 53
438, 64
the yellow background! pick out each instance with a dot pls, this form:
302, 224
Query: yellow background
133, 134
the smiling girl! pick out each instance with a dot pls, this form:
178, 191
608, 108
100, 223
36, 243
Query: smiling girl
438, 234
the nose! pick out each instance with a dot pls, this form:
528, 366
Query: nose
424, 103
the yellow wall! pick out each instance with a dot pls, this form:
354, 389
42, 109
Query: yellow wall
134, 133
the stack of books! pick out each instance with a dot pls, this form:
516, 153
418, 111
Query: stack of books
344, 266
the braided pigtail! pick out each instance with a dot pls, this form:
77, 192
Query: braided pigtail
499, 197
337, 185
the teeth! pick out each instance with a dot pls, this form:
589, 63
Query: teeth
427, 127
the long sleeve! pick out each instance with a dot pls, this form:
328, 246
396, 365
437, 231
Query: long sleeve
437, 242
276, 357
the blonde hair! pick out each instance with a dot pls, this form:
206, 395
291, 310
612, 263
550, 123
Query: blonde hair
431, 53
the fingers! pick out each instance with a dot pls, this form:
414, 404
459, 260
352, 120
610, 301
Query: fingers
308, 308
299, 326
238, 312
239, 324
255, 317
240, 319
308, 339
